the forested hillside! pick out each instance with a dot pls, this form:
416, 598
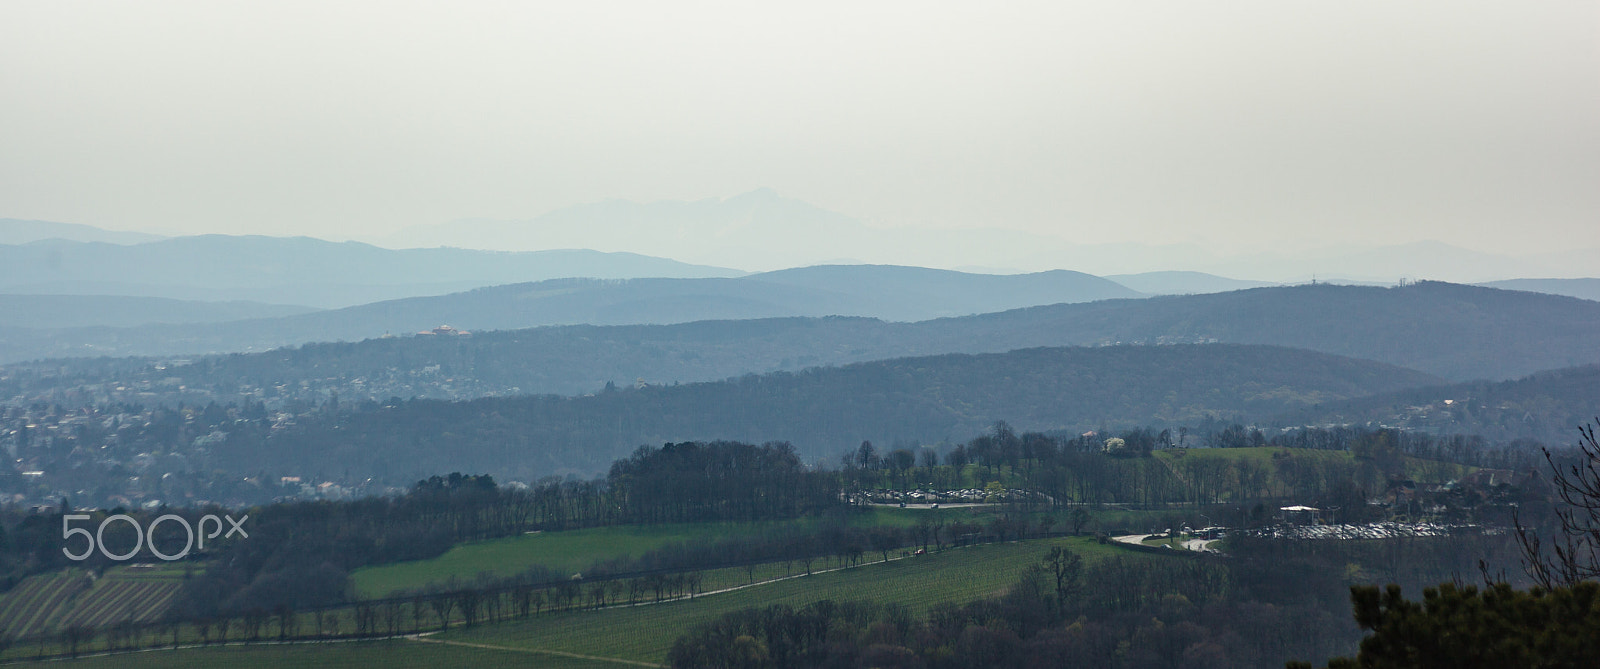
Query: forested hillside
1452, 331
823, 411
1547, 407
1449, 330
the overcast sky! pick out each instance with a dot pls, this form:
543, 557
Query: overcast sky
1224, 123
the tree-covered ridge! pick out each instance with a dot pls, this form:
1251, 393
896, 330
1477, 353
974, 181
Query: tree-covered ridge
693, 481
1548, 407
1452, 331
821, 411
887, 292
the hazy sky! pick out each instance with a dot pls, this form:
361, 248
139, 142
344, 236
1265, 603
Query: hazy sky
1227, 123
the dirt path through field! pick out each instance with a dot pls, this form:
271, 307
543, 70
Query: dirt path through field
538, 651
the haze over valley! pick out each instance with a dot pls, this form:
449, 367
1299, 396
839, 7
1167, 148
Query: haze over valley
858, 335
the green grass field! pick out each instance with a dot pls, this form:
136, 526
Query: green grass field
575, 550
645, 633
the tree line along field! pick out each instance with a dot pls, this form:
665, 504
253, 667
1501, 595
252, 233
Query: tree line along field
644, 633
390, 654
47, 602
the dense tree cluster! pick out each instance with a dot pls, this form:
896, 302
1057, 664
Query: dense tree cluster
691, 481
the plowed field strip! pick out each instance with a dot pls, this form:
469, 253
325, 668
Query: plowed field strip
106, 607
51, 607
19, 599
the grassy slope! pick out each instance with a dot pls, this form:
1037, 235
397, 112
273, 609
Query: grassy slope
645, 633
567, 552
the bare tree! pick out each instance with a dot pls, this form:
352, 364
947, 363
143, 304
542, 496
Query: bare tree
443, 603
1079, 518
1067, 568
202, 627
392, 616
1574, 555
288, 624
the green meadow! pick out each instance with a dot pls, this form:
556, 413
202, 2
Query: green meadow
645, 633
573, 551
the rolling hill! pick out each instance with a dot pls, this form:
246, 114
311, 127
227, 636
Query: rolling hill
764, 230
76, 311
298, 270
1547, 407
888, 292
1451, 331
822, 411
22, 231
1183, 283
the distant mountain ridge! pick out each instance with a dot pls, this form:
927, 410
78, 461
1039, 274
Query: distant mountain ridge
763, 230
892, 293
21, 231
1585, 289
823, 411
299, 270
1183, 283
